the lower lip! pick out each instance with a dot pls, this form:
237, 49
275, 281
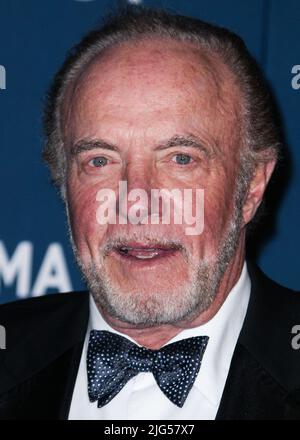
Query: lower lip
161, 258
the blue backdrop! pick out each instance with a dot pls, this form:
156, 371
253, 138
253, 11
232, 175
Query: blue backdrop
35, 257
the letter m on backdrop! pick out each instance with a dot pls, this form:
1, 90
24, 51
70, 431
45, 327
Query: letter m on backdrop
16, 269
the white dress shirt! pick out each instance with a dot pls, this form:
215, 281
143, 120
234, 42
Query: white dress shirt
142, 399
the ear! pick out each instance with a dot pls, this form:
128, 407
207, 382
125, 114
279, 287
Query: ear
257, 188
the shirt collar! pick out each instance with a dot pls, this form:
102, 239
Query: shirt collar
223, 331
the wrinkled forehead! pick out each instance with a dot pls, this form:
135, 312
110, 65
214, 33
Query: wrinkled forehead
141, 78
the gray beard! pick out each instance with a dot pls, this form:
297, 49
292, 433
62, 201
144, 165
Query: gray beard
164, 307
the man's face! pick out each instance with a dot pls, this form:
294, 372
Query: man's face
127, 120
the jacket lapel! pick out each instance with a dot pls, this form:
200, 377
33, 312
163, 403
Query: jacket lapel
250, 392
263, 379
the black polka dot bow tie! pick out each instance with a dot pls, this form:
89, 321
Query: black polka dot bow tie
113, 359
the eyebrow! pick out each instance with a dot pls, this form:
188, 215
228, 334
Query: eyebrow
188, 140
91, 144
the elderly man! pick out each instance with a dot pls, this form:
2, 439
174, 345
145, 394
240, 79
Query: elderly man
177, 324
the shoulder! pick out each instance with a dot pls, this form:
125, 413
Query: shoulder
271, 298
41, 302
33, 315
38, 331
37, 308
269, 327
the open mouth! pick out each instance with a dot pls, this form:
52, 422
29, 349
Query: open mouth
145, 252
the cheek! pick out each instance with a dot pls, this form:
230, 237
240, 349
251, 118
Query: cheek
218, 211
215, 213
82, 208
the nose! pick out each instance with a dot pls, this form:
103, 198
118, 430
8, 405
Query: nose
139, 175
134, 204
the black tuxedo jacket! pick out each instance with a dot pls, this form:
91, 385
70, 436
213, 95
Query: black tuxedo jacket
44, 339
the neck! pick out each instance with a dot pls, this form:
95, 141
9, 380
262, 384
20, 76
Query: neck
155, 337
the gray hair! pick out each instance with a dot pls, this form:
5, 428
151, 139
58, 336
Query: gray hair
261, 130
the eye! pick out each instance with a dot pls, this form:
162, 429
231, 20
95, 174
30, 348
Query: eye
182, 159
99, 161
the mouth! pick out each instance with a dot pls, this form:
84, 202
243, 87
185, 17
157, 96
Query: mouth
142, 253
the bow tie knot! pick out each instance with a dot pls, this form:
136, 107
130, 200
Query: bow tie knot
112, 360
141, 359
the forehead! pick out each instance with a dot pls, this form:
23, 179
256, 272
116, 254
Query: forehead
150, 83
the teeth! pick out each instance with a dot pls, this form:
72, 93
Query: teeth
128, 249
141, 253
145, 257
